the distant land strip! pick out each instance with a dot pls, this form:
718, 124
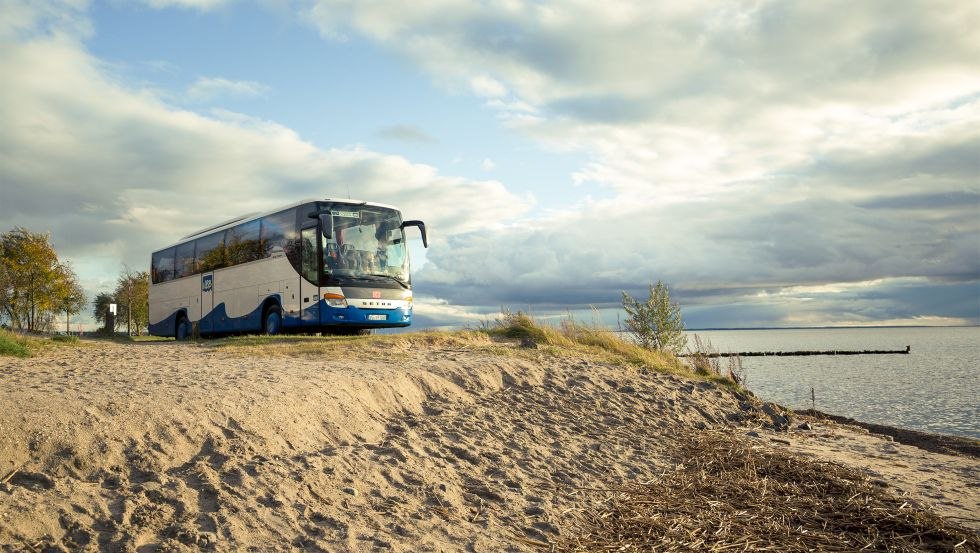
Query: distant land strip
907, 350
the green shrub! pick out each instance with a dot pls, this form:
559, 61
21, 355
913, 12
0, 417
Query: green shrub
65, 338
656, 322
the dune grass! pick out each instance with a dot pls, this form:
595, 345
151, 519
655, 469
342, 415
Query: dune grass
502, 335
595, 340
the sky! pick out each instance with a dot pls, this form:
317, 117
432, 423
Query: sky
777, 163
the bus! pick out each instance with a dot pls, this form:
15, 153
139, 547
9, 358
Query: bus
332, 266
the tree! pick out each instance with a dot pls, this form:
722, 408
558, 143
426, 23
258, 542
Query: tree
655, 323
30, 279
133, 296
70, 296
100, 306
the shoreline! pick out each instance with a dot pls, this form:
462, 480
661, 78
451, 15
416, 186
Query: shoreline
929, 441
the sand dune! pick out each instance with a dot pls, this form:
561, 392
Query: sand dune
383, 445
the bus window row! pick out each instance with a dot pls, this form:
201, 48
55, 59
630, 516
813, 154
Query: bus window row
270, 236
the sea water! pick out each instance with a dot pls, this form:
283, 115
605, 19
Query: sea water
935, 388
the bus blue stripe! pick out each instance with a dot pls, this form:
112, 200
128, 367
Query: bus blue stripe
331, 316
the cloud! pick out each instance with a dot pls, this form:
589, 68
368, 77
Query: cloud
115, 172
487, 87
701, 96
761, 51
209, 88
24, 19
487, 164
407, 133
434, 312
747, 147
734, 251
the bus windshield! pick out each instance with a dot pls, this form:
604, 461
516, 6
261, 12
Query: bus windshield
365, 244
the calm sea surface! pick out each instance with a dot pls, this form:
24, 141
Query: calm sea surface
936, 388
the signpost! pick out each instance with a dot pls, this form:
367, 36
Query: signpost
110, 319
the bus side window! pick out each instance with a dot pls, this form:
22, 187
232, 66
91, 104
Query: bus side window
279, 233
243, 243
185, 260
163, 266
211, 252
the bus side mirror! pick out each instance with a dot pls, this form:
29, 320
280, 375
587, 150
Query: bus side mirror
421, 225
326, 225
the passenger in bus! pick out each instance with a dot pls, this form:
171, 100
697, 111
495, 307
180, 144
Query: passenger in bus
331, 256
350, 257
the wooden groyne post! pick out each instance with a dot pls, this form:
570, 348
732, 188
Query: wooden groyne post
906, 351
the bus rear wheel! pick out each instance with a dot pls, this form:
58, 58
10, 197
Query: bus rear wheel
272, 321
183, 329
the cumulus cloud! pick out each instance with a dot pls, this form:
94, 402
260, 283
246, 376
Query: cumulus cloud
693, 98
115, 172
29, 18
735, 250
749, 146
488, 87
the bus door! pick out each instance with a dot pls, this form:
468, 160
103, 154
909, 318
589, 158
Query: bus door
309, 289
207, 303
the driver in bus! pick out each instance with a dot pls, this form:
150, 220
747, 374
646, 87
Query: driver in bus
382, 236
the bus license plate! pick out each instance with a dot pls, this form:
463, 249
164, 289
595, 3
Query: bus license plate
377, 317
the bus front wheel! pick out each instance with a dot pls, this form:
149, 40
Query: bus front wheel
272, 322
183, 329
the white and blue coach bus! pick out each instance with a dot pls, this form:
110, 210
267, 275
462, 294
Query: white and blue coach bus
337, 266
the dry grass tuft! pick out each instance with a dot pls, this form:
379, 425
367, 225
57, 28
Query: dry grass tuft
521, 325
730, 495
704, 360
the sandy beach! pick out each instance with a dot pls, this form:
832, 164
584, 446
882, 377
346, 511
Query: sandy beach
387, 445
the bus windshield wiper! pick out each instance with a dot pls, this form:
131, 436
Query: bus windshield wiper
396, 279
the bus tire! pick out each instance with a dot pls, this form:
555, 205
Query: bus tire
182, 331
272, 321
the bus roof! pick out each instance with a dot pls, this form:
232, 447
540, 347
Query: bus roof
259, 214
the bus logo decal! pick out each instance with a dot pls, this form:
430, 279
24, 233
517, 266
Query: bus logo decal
376, 294
207, 283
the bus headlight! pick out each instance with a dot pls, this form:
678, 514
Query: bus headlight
335, 300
